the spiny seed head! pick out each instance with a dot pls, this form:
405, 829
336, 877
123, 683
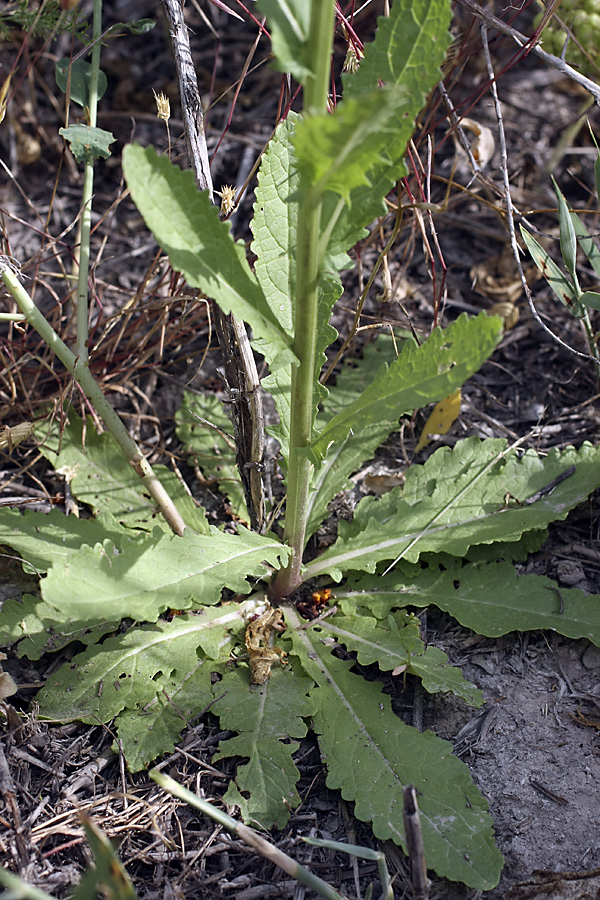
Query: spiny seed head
227, 195
353, 58
163, 107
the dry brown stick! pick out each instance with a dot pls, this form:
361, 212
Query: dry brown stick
414, 845
241, 373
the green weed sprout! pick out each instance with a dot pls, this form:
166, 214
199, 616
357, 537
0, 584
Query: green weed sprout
566, 287
448, 536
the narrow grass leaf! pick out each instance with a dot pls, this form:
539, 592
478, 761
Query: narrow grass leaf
568, 241
557, 280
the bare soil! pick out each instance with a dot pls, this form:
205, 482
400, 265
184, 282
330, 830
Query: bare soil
534, 749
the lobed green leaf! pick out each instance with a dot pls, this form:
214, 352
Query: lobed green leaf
395, 644
475, 493
419, 376
211, 451
125, 672
489, 598
151, 574
371, 755
265, 717
100, 476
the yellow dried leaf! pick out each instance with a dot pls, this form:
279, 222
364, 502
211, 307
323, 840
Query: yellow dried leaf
443, 415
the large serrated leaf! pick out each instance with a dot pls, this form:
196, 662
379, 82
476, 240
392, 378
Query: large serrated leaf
275, 222
459, 498
211, 451
152, 574
101, 477
265, 718
396, 644
371, 755
188, 227
154, 727
491, 599
419, 376
120, 674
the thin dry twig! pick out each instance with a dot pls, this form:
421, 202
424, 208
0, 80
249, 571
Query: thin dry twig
492, 21
508, 200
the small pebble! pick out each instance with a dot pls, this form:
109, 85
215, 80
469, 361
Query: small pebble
591, 657
569, 572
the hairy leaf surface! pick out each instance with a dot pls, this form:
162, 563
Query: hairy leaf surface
100, 476
336, 150
491, 599
40, 628
123, 672
152, 574
419, 376
265, 718
395, 643
152, 728
475, 493
371, 755
187, 226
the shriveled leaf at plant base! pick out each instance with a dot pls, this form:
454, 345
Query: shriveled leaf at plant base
265, 717
152, 574
395, 643
100, 476
371, 755
187, 226
121, 673
39, 628
491, 599
419, 376
476, 493
154, 727
210, 450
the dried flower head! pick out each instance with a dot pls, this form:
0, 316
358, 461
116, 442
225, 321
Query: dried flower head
227, 195
353, 58
163, 107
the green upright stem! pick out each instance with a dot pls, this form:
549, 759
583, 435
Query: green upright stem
306, 302
88, 190
93, 391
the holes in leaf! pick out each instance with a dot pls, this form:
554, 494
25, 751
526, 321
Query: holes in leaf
456, 584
